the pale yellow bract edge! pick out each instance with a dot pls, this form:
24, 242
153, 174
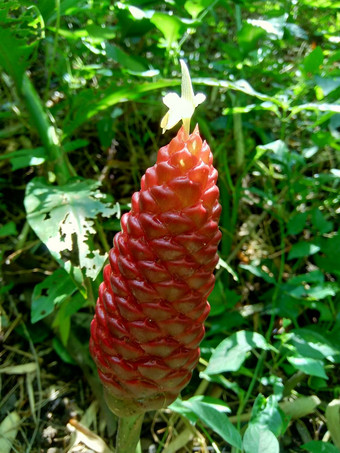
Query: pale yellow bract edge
181, 108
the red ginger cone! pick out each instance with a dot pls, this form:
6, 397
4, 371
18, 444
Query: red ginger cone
153, 302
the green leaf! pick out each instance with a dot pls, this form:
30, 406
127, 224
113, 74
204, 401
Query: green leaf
131, 64
212, 416
313, 61
195, 7
63, 317
248, 37
302, 249
101, 33
312, 277
14, 53
222, 299
312, 344
63, 218
9, 229
25, 157
62, 352
258, 272
297, 223
310, 366
330, 247
55, 289
266, 413
231, 352
171, 27
318, 446
259, 439
320, 223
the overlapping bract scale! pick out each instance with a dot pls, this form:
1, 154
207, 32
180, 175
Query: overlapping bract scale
153, 302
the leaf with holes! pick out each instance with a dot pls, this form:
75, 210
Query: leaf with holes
63, 219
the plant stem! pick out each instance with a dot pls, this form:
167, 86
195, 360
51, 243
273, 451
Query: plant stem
54, 49
57, 159
128, 434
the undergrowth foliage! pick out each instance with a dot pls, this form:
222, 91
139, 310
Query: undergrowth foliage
81, 84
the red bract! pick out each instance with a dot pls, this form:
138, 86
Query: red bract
153, 302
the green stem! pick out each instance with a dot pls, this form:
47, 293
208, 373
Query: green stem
239, 139
54, 49
128, 434
57, 159
279, 282
257, 372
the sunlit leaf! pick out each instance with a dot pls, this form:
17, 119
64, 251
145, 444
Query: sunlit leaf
231, 352
302, 249
63, 218
259, 439
211, 413
310, 366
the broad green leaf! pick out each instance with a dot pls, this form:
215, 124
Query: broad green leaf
330, 248
171, 27
302, 249
62, 351
319, 292
128, 62
248, 37
231, 352
259, 272
63, 318
266, 413
327, 84
297, 223
277, 147
312, 344
9, 229
101, 33
300, 407
63, 218
51, 292
222, 299
318, 446
195, 7
274, 27
313, 61
259, 439
310, 366
213, 416
14, 53
27, 157
320, 223
223, 382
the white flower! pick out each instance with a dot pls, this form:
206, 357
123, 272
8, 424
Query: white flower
181, 108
